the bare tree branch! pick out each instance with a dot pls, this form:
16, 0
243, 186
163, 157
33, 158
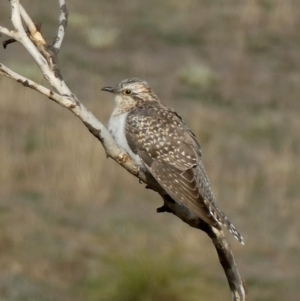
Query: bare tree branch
7, 32
62, 100
220, 242
45, 56
31, 27
16, 18
63, 22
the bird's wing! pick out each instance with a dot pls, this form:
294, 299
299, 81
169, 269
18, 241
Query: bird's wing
172, 155
181, 185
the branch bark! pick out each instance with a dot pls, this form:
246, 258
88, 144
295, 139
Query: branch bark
45, 56
63, 22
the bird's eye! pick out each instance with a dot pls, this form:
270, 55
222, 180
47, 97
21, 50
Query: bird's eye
127, 92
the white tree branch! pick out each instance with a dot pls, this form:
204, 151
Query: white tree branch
63, 22
30, 25
45, 57
62, 100
7, 32
16, 18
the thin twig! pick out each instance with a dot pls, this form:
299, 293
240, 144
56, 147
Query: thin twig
7, 42
28, 83
32, 29
63, 22
7, 32
16, 18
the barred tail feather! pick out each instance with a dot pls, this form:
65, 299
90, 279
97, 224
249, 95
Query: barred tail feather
223, 220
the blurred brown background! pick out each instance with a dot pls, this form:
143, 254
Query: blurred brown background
75, 226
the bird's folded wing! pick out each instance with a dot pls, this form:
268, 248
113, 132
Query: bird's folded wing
182, 186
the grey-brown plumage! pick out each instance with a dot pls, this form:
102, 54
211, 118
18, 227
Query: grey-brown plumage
157, 139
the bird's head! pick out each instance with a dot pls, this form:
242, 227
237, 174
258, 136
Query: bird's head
130, 92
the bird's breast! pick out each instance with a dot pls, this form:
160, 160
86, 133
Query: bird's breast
117, 127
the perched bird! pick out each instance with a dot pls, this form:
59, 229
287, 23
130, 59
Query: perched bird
158, 141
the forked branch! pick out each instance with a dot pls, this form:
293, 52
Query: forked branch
45, 57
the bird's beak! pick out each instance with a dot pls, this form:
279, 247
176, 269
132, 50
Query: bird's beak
109, 89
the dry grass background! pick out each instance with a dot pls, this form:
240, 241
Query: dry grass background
74, 226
